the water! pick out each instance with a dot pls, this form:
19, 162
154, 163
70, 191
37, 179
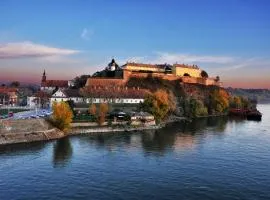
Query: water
215, 158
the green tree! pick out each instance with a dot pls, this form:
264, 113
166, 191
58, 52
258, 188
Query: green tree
197, 108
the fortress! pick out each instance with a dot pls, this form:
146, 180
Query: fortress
113, 75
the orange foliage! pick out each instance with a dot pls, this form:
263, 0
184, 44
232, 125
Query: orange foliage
62, 115
92, 109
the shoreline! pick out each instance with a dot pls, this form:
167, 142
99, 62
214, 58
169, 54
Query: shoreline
16, 137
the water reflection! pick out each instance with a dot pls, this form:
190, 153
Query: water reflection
174, 137
22, 149
62, 152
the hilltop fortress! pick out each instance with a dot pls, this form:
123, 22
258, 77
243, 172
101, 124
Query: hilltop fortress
114, 75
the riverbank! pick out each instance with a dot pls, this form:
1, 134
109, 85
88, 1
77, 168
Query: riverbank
32, 130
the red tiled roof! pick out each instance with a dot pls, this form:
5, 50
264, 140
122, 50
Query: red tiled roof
7, 90
42, 94
55, 83
96, 82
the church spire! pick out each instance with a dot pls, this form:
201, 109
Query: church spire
44, 77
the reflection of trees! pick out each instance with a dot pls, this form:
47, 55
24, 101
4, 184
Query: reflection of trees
179, 136
158, 142
22, 149
62, 152
108, 140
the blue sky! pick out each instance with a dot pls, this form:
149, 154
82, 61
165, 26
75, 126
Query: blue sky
228, 38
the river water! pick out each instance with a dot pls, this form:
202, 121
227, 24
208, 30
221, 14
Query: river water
215, 158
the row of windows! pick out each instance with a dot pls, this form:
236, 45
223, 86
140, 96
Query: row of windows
108, 100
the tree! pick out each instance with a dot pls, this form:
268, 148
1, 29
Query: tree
204, 74
15, 84
80, 81
62, 115
197, 108
219, 101
103, 109
92, 109
158, 104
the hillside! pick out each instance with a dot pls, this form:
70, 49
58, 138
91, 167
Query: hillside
261, 95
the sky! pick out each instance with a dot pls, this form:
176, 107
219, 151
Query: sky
69, 38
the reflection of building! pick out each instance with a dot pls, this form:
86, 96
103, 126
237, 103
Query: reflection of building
8, 96
184, 142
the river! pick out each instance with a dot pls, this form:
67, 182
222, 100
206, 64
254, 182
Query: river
214, 158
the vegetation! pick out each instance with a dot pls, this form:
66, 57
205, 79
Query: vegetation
92, 109
15, 84
103, 110
204, 74
80, 81
62, 115
239, 102
259, 95
195, 108
159, 104
218, 101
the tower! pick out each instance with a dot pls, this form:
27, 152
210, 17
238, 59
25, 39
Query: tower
43, 77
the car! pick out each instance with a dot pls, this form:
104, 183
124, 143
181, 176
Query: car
10, 114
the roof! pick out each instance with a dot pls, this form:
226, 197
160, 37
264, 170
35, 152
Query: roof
72, 92
115, 92
42, 94
69, 92
186, 66
96, 82
55, 83
144, 65
8, 90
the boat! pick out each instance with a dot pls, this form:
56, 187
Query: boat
254, 115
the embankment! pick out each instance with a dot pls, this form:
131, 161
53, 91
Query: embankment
29, 130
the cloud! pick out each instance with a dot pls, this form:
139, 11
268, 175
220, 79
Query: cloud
29, 49
171, 58
86, 34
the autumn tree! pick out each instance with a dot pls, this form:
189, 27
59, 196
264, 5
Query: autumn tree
103, 110
92, 109
62, 115
219, 101
160, 103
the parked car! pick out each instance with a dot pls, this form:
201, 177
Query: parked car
10, 114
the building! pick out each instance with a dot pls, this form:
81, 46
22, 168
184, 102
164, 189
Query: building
8, 96
114, 94
50, 85
186, 70
67, 95
140, 67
